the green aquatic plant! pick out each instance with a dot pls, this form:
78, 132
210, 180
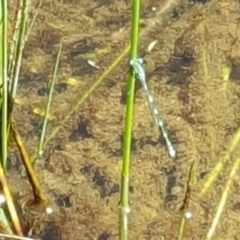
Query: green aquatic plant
124, 197
124, 229
4, 83
48, 106
4, 105
10, 63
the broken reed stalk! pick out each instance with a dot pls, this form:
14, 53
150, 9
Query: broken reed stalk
185, 208
33, 20
124, 198
10, 204
40, 200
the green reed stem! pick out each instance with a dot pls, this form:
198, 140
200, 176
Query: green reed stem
48, 106
4, 81
16, 50
124, 201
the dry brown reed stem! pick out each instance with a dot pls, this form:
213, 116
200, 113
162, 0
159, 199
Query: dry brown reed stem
39, 197
10, 204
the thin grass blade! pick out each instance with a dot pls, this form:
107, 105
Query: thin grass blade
10, 236
223, 200
85, 96
219, 166
19, 46
48, 106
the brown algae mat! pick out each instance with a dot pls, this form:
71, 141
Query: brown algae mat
80, 171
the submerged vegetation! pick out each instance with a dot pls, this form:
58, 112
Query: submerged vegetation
86, 89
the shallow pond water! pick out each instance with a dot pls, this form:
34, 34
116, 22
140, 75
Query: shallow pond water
80, 170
